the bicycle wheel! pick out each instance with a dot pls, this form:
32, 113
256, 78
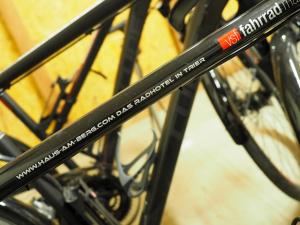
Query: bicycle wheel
9, 218
13, 212
249, 105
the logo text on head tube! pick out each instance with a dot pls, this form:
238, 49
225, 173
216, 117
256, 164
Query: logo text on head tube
230, 38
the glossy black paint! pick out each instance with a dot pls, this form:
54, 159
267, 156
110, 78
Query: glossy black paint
285, 59
71, 97
219, 98
81, 25
133, 32
22, 115
179, 12
208, 48
22, 213
44, 185
39, 128
178, 115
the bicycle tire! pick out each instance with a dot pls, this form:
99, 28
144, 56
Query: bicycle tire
229, 114
14, 212
10, 218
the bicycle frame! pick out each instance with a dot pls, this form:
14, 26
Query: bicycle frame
84, 24
215, 49
134, 26
178, 115
100, 14
39, 128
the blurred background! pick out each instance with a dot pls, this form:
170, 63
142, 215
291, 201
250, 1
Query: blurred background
215, 181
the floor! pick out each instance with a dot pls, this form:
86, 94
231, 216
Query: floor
215, 181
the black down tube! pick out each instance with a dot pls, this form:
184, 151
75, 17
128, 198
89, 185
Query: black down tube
208, 53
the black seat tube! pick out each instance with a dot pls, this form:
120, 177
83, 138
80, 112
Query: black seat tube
178, 116
135, 25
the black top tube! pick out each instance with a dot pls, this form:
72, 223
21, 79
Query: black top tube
81, 25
